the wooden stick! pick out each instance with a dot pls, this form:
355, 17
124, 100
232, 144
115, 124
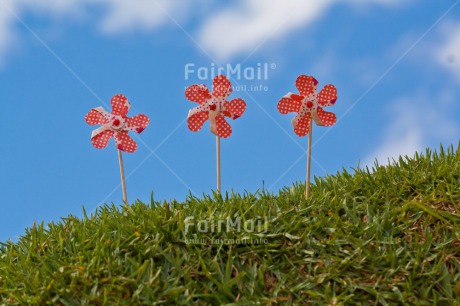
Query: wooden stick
218, 161
307, 183
122, 174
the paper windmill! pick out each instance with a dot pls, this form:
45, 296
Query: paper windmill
214, 106
116, 124
309, 105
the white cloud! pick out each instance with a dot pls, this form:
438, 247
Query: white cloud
244, 26
238, 27
403, 136
117, 15
447, 53
416, 123
50, 7
125, 15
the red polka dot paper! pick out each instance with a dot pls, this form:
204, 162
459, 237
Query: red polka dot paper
196, 121
328, 95
101, 140
214, 107
302, 126
287, 105
124, 142
235, 108
137, 123
306, 85
327, 118
197, 93
221, 86
116, 124
96, 116
120, 105
224, 129
309, 105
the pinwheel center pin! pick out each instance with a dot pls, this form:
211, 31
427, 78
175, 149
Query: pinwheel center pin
117, 123
309, 105
216, 105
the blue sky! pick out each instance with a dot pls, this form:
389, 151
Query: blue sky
396, 65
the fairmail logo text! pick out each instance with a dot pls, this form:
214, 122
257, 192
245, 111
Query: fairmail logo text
238, 225
259, 72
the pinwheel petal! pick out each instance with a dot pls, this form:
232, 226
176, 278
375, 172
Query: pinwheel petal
236, 108
224, 130
288, 105
97, 116
124, 142
306, 85
137, 123
101, 139
197, 93
302, 125
196, 121
221, 86
325, 118
120, 105
328, 95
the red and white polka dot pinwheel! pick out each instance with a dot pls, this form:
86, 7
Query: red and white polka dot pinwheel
214, 106
309, 105
116, 124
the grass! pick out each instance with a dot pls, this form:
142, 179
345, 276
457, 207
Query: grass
386, 236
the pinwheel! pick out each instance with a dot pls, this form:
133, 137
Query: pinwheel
309, 106
117, 125
215, 107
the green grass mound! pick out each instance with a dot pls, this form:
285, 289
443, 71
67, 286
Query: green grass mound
387, 236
